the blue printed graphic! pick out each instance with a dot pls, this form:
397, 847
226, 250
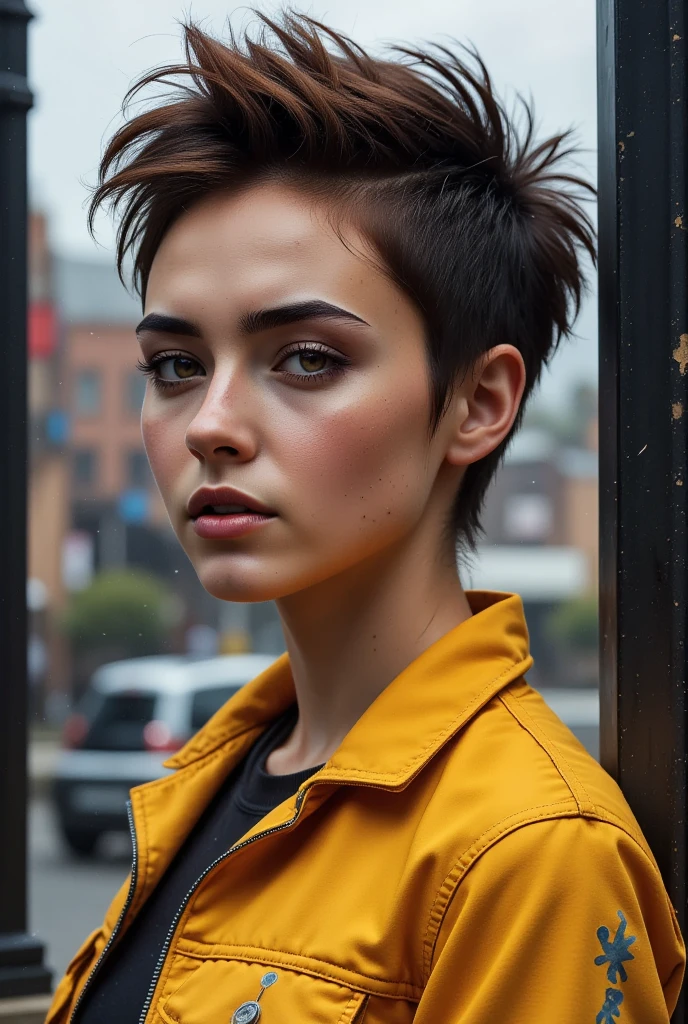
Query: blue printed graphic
612, 1002
615, 952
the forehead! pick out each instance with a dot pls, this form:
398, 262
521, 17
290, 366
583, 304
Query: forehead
258, 246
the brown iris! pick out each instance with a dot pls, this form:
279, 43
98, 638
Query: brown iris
184, 367
312, 361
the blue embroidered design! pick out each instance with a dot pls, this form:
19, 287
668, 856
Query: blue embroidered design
615, 952
613, 1001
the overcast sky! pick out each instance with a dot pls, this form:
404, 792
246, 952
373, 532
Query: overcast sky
85, 53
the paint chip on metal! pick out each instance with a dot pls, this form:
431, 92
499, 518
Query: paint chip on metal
681, 354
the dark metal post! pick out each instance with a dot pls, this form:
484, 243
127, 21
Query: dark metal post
21, 956
643, 226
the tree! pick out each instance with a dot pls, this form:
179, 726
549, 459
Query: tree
123, 613
574, 624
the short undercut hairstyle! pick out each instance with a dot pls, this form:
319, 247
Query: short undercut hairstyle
481, 225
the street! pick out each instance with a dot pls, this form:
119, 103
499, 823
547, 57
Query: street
68, 897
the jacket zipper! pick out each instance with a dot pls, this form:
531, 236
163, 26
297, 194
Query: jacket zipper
173, 927
127, 903
168, 939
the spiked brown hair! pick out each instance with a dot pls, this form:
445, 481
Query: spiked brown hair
477, 222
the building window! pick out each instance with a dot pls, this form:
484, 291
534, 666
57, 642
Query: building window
85, 467
138, 473
87, 393
135, 391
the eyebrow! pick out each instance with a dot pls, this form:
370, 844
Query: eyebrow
255, 321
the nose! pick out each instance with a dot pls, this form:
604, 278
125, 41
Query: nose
223, 428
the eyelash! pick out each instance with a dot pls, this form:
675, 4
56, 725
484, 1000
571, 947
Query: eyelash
150, 367
339, 363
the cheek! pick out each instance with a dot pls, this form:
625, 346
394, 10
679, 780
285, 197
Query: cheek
366, 460
163, 439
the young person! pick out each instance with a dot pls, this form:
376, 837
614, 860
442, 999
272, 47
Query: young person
352, 272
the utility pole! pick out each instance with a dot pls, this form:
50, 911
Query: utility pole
24, 980
643, 291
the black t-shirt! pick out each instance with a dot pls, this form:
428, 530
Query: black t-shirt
118, 992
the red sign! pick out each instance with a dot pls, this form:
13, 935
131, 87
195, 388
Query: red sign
42, 330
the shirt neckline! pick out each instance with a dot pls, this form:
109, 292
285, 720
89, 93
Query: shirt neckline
257, 790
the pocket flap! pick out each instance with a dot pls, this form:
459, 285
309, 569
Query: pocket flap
231, 992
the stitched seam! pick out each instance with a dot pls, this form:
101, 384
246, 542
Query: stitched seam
618, 823
406, 989
439, 737
189, 909
165, 1013
521, 665
144, 795
197, 763
214, 743
350, 1010
549, 746
613, 819
468, 858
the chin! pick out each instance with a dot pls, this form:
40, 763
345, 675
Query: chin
231, 583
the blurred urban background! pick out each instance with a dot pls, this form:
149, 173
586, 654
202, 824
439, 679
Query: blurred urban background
107, 579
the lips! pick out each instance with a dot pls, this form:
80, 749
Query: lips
225, 501
223, 513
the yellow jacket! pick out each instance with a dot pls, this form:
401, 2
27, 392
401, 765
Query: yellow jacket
459, 860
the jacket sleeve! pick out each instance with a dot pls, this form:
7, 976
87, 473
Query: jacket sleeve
563, 920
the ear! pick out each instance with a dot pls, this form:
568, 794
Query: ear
485, 405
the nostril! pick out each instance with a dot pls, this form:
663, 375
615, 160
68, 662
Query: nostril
228, 449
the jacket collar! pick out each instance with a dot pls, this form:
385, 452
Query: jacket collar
413, 717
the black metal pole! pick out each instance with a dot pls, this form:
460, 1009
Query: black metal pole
643, 237
21, 956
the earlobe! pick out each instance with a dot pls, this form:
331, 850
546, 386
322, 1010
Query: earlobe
486, 405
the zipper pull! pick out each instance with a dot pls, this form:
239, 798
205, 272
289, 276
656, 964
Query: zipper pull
250, 1012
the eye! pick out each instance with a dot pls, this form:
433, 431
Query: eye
307, 361
178, 368
310, 361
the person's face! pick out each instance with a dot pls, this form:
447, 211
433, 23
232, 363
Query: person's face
320, 417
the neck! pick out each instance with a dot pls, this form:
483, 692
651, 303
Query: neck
349, 637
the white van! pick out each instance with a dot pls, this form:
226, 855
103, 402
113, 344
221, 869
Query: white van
134, 714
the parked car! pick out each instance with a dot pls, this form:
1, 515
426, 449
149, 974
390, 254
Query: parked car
133, 715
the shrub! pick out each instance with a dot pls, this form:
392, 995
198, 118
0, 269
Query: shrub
575, 625
123, 612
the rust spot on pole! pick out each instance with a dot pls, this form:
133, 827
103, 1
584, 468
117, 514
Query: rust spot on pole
679, 222
677, 410
681, 354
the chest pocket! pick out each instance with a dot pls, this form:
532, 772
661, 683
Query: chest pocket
235, 992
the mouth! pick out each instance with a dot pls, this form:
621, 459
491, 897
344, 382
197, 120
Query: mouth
225, 501
227, 510
225, 513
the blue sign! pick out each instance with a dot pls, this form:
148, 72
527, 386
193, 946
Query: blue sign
133, 506
57, 426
